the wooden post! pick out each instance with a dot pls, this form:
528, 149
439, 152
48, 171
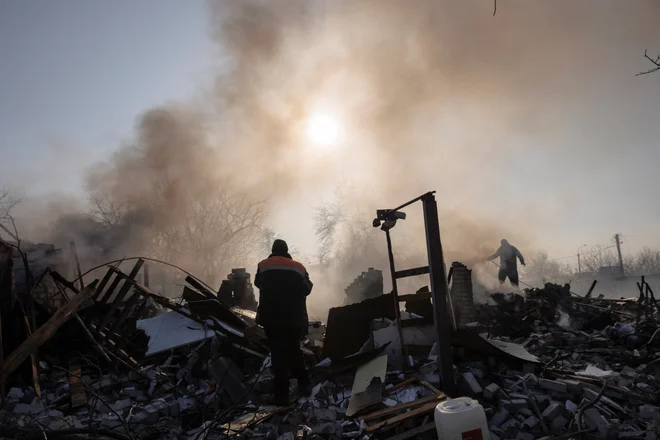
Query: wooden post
77, 261
33, 361
46, 331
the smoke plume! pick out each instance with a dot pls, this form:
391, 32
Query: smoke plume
437, 96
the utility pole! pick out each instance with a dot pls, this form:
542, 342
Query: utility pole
578, 255
618, 249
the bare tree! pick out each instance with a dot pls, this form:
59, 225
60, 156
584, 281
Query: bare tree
107, 209
541, 269
327, 218
7, 222
655, 62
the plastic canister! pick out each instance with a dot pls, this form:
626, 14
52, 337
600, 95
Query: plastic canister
462, 418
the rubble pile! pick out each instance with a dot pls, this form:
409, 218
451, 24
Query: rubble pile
597, 369
117, 360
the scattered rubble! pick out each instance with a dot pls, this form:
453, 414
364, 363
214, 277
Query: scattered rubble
117, 360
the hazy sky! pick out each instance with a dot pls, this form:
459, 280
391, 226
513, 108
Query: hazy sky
75, 74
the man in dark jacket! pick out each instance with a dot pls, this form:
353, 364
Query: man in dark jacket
509, 256
283, 289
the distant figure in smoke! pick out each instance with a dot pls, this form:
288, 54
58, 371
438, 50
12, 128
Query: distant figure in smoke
284, 285
509, 256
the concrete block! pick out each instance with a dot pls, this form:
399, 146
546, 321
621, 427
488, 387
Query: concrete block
491, 391
28, 409
524, 436
572, 385
500, 417
571, 407
494, 436
514, 404
325, 429
552, 411
531, 379
531, 423
558, 425
525, 412
510, 424
553, 385
121, 405
473, 384
596, 420
15, 394
325, 414
649, 412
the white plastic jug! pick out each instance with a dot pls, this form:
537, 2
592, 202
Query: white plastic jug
462, 418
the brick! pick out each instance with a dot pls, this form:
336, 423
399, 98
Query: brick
571, 407
573, 385
596, 420
500, 417
473, 384
514, 404
552, 411
553, 385
491, 391
531, 423
558, 425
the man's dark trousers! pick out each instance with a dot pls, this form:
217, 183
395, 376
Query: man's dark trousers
286, 358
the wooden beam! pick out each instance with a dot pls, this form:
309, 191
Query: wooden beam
33, 361
104, 281
415, 297
77, 261
46, 331
411, 272
429, 407
400, 407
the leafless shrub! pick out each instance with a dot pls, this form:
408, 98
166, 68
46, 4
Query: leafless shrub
655, 62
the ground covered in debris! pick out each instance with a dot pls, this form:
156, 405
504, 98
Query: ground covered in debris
119, 361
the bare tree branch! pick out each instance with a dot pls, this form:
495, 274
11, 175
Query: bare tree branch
655, 62
494, 7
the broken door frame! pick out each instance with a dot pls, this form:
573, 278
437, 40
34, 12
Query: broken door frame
438, 280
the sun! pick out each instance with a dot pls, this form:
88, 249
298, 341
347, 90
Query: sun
323, 129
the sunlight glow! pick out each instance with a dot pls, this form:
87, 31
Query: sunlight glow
323, 129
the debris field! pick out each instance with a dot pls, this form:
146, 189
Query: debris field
114, 359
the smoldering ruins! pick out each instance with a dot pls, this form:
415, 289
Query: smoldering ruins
139, 320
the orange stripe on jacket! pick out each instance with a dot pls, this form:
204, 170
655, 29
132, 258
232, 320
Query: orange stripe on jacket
281, 263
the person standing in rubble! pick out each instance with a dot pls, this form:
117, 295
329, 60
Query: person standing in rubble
284, 285
509, 256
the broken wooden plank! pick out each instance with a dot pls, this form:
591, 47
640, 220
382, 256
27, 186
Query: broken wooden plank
128, 307
85, 330
105, 280
33, 361
76, 390
400, 407
413, 432
429, 407
46, 331
125, 288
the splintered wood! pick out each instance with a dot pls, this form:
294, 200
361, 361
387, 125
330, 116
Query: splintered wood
46, 331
